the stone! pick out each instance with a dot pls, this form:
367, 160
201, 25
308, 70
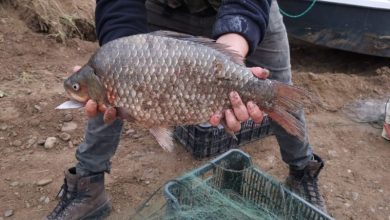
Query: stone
332, 153
17, 143
9, 213
70, 144
2, 94
14, 184
130, 131
31, 141
47, 200
68, 117
44, 182
3, 127
313, 76
136, 136
50, 142
68, 126
35, 122
41, 142
64, 136
38, 108
355, 195
42, 198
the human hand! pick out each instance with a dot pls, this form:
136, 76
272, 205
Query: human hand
92, 108
240, 112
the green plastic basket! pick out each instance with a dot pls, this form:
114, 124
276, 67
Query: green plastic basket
234, 171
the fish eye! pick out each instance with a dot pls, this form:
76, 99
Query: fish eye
76, 86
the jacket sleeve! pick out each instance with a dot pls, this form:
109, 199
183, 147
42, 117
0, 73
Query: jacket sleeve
119, 18
248, 18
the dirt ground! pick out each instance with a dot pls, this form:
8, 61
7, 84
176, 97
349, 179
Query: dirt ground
355, 181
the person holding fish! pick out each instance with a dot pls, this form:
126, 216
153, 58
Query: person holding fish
228, 90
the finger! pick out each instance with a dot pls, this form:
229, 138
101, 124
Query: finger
76, 68
255, 113
91, 108
215, 119
102, 108
109, 115
260, 72
238, 107
231, 121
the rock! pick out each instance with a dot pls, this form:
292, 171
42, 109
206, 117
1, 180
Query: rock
68, 117
13, 184
35, 122
147, 182
50, 142
2, 94
41, 142
332, 153
9, 213
44, 182
355, 195
3, 127
70, 144
68, 126
47, 200
130, 131
42, 198
38, 108
17, 143
31, 141
64, 136
136, 136
313, 76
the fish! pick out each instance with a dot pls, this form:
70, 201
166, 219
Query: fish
163, 79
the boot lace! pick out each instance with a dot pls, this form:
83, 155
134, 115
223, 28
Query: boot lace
65, 197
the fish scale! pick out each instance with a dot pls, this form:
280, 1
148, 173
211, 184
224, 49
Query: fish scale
166, 79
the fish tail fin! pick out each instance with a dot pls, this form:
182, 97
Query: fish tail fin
289, 100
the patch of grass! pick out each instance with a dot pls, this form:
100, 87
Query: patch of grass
58, 19
25, 77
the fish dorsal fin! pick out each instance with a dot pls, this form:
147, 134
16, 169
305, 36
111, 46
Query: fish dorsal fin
234, 56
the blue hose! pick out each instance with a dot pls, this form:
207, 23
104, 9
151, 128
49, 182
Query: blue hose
300, 14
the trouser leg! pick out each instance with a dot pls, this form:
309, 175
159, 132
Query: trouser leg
100, 143
274, 54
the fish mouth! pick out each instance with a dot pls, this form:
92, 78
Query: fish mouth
77, 97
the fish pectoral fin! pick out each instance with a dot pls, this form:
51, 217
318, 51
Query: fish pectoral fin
163, 137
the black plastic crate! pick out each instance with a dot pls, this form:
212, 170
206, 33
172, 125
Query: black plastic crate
207, 141
234, 172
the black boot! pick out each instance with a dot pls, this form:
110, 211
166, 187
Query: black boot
67, 193
305, 182
81, 198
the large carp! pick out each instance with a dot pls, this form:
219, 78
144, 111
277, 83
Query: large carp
164, 79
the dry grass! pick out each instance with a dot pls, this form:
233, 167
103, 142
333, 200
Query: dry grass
59, 19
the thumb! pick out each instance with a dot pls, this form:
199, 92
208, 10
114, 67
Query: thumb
260, 72
76, 68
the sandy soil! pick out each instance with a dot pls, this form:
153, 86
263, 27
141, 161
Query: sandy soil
355, 181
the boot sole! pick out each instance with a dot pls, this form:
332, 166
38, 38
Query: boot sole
100, 213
